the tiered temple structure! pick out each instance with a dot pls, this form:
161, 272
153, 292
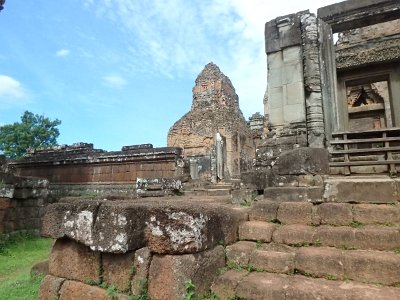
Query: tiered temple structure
214, 132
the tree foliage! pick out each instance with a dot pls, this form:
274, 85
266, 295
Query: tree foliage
34, 131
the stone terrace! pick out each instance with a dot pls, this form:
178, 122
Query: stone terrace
343, 245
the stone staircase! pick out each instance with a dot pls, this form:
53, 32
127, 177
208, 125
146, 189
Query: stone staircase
347, 249
201, 188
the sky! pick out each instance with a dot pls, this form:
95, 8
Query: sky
121, 72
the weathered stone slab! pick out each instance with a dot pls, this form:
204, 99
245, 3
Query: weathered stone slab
264, 211
50, 287
225, 285
260, 286
254, 179
140, 270
119, 227
165, 227
118, 269
240, 252
273, 261
78, 290
335, 236
303, 161
294, 194
297, 235
320, 262
256, 231
295, 213
335, 213
365, 190
377, 238
376, 214
168, 273
71, 260
373, 267
305, 289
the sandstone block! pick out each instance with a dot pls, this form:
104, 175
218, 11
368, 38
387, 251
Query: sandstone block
320, 262
50, 287
260, 286
297, 235
141, 270
264, 211
78, 290
175, 230
302, 288
376, 214
335, 236
335, 213
302, 161
256, 231
295, 213
225, 285
361, 191
165, 227
255, 179
172, 271
118, 269
378, 238
306, 180
275, 180
294, 194
71, 260
273, 261
5, 203
240, 252
373, 267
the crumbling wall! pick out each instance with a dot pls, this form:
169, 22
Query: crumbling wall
81, 163
22, 202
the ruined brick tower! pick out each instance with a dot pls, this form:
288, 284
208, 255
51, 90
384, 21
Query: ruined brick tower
215, 112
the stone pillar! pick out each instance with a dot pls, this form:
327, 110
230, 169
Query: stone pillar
312, 81
194, 168
220, 146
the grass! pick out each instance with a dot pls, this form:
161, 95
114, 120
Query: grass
17, 255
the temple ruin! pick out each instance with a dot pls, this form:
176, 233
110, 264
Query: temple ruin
214, 132
301, 202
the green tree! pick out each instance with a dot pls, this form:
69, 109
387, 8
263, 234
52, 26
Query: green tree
34, 131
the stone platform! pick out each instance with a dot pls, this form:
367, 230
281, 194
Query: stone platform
137, 246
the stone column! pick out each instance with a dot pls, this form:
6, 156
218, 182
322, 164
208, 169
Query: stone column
312, 82
220, 147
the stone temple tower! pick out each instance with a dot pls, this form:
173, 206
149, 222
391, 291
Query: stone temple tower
214, 132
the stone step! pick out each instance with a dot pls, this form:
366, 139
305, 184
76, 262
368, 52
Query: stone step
294, 194
218, 192
268, 286
366, 237
220, 186
367, 189
368, 266
337, 214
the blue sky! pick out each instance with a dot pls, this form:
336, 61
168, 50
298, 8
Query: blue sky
121, 72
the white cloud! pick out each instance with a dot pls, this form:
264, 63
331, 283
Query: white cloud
177, 38
114, 81
10, 88
63, 52
12, 93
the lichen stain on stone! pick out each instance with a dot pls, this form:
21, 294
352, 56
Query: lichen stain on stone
154, 226
190, 231
118, 220
79, 226
120, 243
